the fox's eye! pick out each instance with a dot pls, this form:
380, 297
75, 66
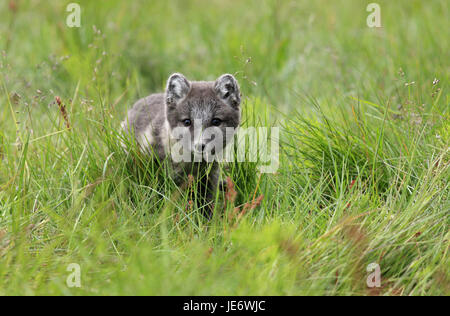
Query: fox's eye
187, 122
216, 121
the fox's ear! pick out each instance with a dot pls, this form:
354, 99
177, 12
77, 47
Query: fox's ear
227, 88
177, 89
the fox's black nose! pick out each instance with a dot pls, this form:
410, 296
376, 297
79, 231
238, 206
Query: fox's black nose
200, 147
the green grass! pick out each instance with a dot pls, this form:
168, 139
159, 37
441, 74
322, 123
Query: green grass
364, 160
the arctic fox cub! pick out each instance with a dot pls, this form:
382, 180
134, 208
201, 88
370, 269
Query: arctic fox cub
198, 117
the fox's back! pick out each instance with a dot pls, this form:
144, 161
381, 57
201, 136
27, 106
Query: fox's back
146, 120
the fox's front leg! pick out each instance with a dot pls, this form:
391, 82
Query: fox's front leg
208, 192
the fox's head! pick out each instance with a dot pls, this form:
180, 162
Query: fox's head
204, 114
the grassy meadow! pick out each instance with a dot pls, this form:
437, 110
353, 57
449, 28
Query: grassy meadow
364, 149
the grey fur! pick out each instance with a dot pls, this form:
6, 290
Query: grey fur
153, 119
